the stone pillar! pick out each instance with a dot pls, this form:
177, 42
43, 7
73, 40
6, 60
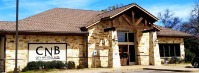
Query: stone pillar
114, 58
154, 55
142, 47
182, 49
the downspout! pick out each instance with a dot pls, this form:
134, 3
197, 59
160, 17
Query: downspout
87, 48
4, 53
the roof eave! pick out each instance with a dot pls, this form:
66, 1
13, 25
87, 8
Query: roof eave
179, 36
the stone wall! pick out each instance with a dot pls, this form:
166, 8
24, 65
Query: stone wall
99, 40
174, 40
75, 50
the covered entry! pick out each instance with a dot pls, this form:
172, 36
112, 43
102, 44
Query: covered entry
2, 54
126, 48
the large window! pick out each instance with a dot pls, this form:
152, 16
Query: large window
169, 50
125, 37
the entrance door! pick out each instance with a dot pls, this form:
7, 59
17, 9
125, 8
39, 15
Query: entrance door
124, 57
131, 54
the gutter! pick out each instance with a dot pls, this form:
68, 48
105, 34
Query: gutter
43, 33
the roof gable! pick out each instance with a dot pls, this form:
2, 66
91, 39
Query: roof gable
116, 12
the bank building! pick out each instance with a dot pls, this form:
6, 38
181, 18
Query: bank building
124, 36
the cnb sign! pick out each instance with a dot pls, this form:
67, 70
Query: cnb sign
47, 51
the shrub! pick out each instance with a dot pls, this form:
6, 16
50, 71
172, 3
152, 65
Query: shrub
71, 64
37, 65
60, 65
188, 55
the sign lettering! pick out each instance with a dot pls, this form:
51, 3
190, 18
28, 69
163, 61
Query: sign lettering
47, 52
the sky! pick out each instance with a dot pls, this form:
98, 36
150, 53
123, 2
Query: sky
27, 8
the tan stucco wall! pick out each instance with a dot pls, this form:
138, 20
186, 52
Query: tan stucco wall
74, 48
171, 40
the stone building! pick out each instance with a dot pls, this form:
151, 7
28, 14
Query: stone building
124, 36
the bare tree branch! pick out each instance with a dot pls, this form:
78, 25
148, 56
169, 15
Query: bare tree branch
168, 19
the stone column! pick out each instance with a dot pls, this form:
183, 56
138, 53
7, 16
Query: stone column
182, 49
142, 47
154, 54
114, 58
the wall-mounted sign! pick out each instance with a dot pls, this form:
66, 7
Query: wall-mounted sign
47, 51
94, 52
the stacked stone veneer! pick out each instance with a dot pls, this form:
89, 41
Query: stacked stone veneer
75, 48
174, 40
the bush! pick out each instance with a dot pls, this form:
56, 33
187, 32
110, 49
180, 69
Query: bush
38, 65
71, 64
188, 55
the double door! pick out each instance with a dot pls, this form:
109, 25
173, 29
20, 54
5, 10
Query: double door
127, 54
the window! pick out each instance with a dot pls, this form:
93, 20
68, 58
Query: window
169, 50
122, 37
125, 37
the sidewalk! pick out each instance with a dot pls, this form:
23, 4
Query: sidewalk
173, 67
123, 69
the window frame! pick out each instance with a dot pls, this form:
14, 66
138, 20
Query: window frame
169, 46
127, 35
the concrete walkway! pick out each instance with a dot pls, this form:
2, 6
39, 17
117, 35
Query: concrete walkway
172, 68
123, 69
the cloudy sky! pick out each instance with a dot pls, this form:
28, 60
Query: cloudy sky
30, 7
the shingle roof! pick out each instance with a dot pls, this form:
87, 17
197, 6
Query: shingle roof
70, 20
54, 20
171, 33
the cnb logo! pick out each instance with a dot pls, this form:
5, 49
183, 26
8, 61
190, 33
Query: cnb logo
48, 50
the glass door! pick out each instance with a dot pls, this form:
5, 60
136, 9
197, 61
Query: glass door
132, 54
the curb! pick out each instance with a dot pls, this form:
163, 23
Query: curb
174, 70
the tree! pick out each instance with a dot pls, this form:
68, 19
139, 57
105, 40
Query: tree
110, 8
192, 25
168, 19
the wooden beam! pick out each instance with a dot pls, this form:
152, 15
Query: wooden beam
133, 17
138, 21
141, 27
113, 22
120, 20
145, 23
126, 19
